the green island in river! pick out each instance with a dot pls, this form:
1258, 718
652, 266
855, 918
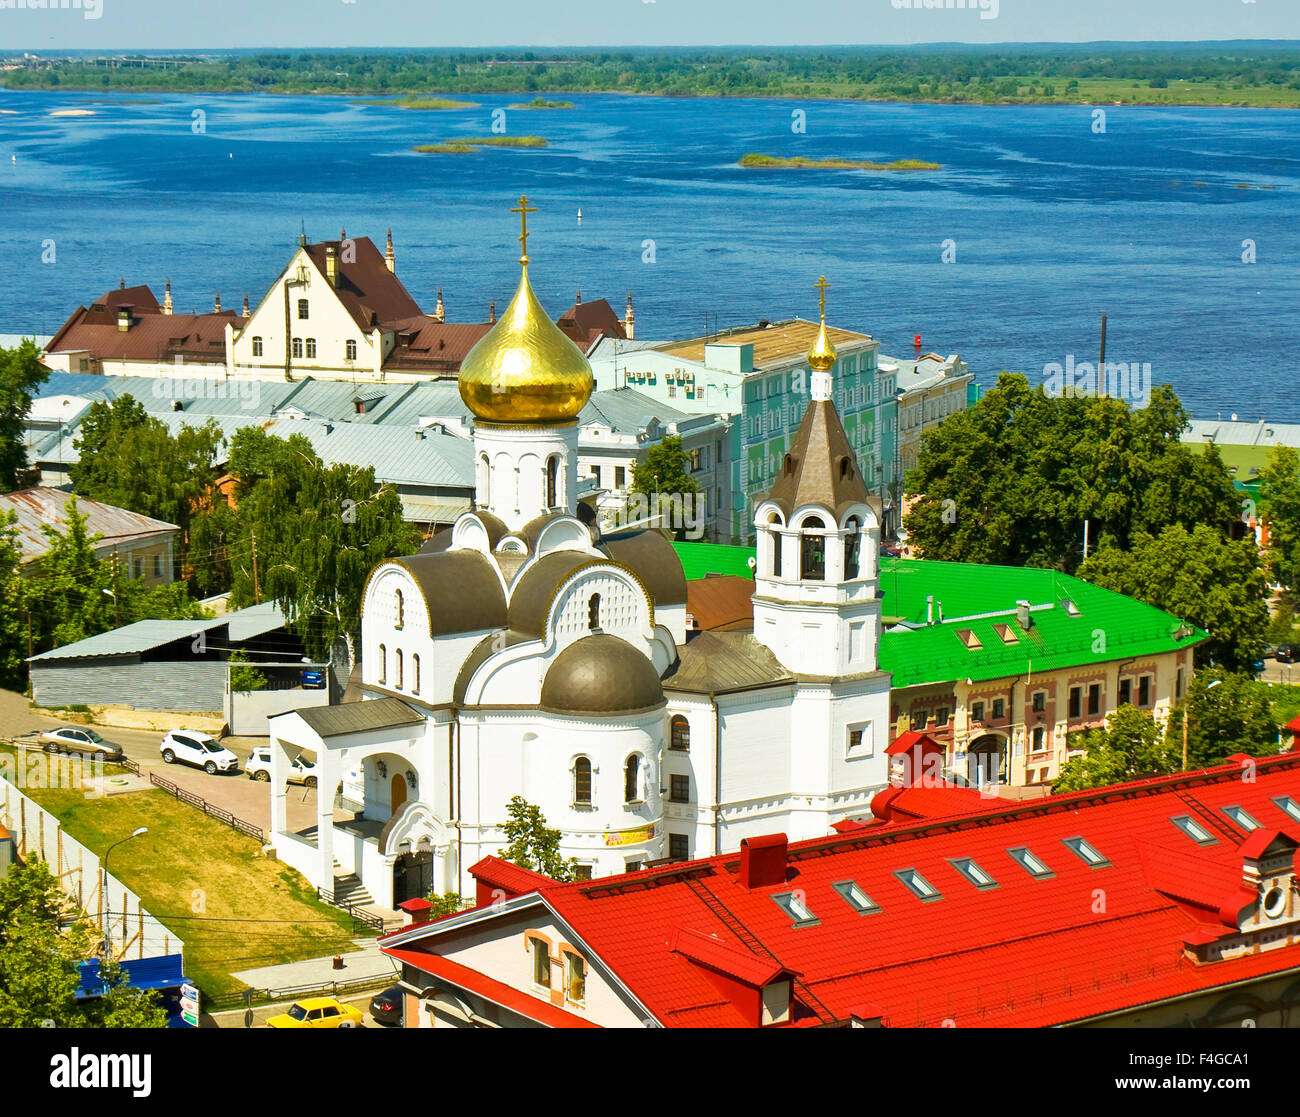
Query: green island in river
463, 147
753, 159
424, 103
543, 103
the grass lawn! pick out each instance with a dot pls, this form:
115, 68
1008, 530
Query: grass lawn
234, 908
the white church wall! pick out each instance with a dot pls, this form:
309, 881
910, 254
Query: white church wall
699, 765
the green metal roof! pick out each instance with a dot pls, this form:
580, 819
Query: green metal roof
1073, 623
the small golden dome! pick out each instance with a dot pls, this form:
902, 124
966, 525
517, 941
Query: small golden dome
524, 370
822, 355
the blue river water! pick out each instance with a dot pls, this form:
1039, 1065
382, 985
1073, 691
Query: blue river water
1049, 222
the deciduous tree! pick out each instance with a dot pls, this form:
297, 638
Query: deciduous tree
1131, 746
533, 844
21, 373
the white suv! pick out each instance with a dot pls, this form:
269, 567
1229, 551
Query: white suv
198, 749
301, 770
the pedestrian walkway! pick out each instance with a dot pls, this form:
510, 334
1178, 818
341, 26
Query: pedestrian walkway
364, 964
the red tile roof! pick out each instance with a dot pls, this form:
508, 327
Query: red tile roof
721, 603
426, 345
1082, 942
586, 323
153, 335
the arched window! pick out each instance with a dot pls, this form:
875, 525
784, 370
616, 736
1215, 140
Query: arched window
398, 682
383, 664
680, 733
582, 782
257, 347
399, 617
774, 530
852, 547
632, 779
812, 550
593, 612
485, 481
552, 481
415, 671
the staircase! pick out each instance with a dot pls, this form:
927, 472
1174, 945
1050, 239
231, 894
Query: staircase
348, 889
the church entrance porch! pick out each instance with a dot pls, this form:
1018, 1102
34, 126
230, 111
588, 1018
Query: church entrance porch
988, 761
412, 876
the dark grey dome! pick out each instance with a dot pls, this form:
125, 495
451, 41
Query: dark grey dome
601, 674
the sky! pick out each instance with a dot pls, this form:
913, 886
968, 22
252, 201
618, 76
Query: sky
212, 24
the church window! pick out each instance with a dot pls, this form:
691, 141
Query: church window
398, 682
852, 544
552, 481
383, 664
541, 962
415, 671
350, 349
632, 780
302, 309
297, 347
311, 347
400, 610
257, 347
620, 476
582, 782
679, 789
593, 612
679, 847
681, 733
812, 551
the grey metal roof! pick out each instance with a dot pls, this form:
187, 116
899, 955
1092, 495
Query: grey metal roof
357, 717
254, 621
38, 507
403, 456
131, 639
627, 410
720, 662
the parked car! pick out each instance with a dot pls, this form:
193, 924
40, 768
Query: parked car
80, 742
891, 549
386, 1007
318, 1012
198, 749
1286, 653
301, 770
312, 679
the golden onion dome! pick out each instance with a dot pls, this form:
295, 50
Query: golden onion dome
524, 370
822, 355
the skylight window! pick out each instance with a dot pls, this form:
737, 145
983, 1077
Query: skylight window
1242, 817
967, 636
1289, 806
1193, 829
1071, 609
972, 872
1006, 634
1031, 864
918, 885
792, 904
858, 900
1085, 853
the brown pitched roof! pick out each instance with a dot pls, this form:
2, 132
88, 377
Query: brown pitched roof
153, 336
776, 342
585, 323
720, 662
721, 603
821, 468
112, 525
425, 344
367, 289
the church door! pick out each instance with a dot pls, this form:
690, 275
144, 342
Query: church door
398, 794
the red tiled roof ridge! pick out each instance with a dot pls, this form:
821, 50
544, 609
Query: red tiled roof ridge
728, 958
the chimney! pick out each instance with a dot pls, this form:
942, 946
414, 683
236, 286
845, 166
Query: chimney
343, 235
492, 312
167, 297
630, 321
123, 319
246, 313
762, 861
1022, 615
389, 258
216, 303
929, 608
439, 313
332, 265
577, 299
121, 283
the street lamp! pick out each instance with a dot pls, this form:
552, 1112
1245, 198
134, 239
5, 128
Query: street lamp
103, 883
1187, 717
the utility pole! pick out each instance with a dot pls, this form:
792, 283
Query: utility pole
257, 592
117, 612
1085, 540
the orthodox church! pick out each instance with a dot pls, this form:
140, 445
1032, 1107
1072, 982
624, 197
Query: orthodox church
523, 652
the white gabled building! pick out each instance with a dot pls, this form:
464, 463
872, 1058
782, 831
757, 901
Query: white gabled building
524, 652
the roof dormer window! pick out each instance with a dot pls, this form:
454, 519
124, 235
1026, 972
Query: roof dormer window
858, 900
793, 905
1194, 830
1242, 817
921, 888
1081, 849
972, 872
1031, 864
1288, 806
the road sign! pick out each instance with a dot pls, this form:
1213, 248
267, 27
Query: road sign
190, 1004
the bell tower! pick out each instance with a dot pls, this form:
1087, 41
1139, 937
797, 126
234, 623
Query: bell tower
815, 585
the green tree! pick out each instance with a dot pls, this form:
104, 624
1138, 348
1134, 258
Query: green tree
663, 476
243, 677
316, 532
39, 960
13, 605
21, 373
533, 844
1130, 747
123, 1005
130, 459
71, 589
1227, 712
1279, 505
1199, 576
446, 903
1012, 479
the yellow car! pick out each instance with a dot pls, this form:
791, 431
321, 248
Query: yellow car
317, 1012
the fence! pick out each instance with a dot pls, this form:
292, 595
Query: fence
128, 927
359, 914
207, 808
291, 992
